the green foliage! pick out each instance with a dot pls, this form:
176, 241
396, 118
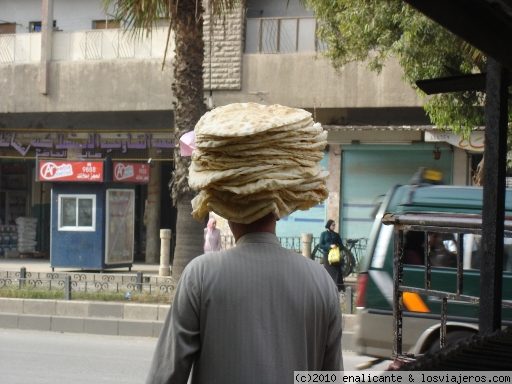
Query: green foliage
35, 293
374, 30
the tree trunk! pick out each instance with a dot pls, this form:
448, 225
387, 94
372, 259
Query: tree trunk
188, 243
152, 215
189, 106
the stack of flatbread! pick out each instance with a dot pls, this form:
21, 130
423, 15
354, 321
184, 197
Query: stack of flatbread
253, 159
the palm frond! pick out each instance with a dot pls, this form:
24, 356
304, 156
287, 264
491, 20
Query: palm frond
138, 15
142, 15
222, 7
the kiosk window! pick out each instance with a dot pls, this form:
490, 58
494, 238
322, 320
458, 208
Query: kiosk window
77, 212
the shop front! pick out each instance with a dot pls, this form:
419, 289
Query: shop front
15, 209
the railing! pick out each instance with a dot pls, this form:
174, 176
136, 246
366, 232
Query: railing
105, 44
282, 35
263, 35
69, 283
289, 242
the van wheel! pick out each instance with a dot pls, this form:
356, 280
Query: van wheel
451, 338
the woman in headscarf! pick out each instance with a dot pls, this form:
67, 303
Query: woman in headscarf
330, 239
211, 236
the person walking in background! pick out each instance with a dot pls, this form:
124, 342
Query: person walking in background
330, 239
212, 241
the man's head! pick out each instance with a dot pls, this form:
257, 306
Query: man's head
266, 224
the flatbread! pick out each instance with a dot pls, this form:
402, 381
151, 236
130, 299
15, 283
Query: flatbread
244, 119
295, 131
207, 162
252, 159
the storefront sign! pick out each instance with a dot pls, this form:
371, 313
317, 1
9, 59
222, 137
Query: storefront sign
131, 172
71, 171
474, 143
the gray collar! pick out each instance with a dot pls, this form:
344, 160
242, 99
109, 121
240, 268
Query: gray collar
258, 237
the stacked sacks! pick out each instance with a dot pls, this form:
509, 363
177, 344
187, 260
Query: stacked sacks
252, 159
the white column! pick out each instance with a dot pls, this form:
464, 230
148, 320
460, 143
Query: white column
306, 239
165, 252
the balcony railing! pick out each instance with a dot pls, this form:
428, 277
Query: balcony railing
263, 35
109, 44
282, 35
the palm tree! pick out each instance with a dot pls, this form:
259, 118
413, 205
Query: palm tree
186, 21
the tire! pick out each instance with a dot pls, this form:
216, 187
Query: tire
316, 253
451, 338
350, 262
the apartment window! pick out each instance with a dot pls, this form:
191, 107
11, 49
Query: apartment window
7, 28
77, 212
35, 26
105, 24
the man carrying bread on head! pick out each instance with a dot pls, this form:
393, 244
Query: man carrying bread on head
257, 312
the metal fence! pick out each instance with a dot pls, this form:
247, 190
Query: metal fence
293, 243
69, 283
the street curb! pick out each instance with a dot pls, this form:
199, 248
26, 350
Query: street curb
118, 319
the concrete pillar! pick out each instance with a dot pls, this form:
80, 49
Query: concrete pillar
165, 252
152, 214
333, 203
306, 240
46, 44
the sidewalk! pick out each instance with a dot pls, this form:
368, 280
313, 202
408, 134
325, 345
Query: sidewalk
109, 318
43, 265
124, 319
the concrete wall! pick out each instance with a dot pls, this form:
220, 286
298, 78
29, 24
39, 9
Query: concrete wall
310, 81
87, 86
302, 80
461, 167
104, 70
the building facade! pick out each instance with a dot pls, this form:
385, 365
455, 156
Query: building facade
84, 90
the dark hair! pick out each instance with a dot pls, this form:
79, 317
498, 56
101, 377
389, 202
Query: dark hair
329, 223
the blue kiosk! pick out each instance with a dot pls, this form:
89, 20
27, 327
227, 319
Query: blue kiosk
92, 220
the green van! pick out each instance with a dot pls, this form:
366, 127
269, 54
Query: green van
421, 316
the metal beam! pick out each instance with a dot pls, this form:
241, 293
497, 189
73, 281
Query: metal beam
473, 82
495, 156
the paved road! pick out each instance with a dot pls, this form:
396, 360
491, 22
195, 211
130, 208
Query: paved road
48, 357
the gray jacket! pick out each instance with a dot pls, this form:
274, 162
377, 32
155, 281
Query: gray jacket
251, 314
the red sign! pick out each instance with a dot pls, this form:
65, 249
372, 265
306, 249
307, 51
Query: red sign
130, 172
58, 170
